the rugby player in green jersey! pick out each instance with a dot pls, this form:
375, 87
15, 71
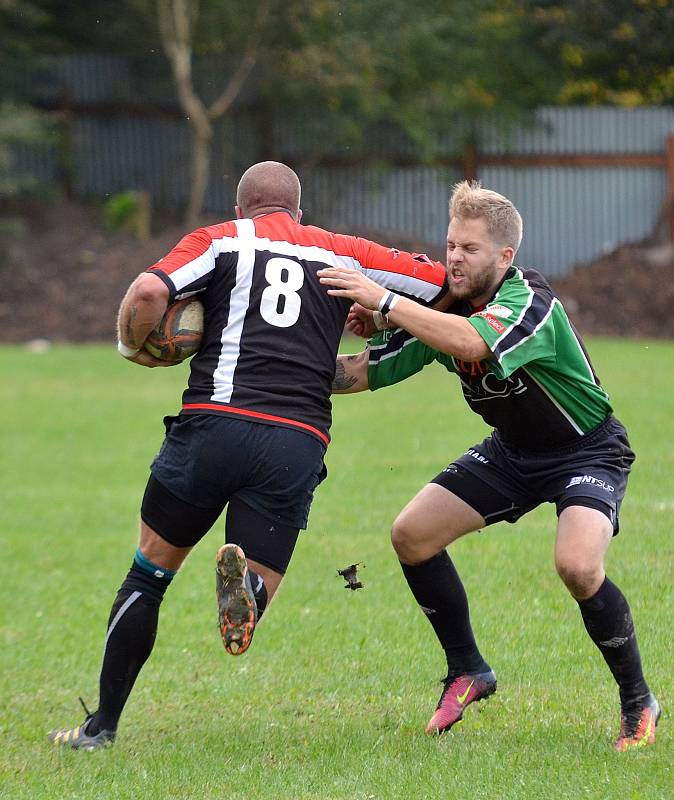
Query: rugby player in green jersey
525, 371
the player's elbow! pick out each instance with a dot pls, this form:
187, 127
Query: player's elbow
470, 348
149, 289
351, 373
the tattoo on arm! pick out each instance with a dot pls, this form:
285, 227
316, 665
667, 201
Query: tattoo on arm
129, 326
341, 380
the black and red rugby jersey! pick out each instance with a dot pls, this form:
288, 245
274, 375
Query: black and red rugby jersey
271, 331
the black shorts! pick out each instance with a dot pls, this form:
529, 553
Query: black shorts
502, 482
207, 460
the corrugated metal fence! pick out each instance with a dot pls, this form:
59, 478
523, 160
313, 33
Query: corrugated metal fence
572, 210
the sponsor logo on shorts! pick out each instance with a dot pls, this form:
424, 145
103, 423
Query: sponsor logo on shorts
582, 479
477, 456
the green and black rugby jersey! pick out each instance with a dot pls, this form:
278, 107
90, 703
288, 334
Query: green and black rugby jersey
538, 389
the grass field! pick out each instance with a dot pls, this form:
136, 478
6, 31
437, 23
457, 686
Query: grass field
331, 700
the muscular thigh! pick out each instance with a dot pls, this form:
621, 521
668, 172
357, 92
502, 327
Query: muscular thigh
430, 522
207, 460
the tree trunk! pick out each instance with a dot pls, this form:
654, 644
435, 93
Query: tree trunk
176, 26
202, 139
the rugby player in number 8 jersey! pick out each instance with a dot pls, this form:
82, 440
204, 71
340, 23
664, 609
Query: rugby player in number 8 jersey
255, 416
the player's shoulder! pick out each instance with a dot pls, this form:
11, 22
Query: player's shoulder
220, 230
281, 227
528, 280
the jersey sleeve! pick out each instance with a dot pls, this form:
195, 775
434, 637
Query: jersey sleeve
412, 275
188, 268
517, 326
394, 356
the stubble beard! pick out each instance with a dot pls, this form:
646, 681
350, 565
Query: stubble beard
475, 286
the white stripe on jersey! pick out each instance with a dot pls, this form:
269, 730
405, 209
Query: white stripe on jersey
391, 280
223, 377
306, 252
555, 302
203, 264
374, 361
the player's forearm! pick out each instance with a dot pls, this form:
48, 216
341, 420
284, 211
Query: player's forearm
448, 333
351, 374
141, 310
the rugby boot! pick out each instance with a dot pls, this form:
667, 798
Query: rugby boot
79, 738
458, 693
237, 609
637, 723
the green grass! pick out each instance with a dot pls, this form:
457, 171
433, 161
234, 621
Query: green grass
331, 700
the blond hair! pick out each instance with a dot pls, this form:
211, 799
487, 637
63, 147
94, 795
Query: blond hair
268, 186
504, 223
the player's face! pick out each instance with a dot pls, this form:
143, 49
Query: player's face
474, 262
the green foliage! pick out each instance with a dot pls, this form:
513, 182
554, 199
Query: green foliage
128, 211
341, 67
618, 53
19, 125
22, 24
119, 209
330, 701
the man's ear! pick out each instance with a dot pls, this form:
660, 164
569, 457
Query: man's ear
239, 213
507, 255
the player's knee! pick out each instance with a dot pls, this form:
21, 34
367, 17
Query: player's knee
581, 579
403, 538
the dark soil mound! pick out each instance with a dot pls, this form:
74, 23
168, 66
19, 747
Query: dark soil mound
627, 292
64, 276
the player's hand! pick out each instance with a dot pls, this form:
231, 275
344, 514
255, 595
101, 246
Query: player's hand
360, 321
145, 359
352, 284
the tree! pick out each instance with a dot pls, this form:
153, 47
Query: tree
617, 53
178, 26
21, 25
344, 67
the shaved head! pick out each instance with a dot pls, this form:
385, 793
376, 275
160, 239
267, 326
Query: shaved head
267, 187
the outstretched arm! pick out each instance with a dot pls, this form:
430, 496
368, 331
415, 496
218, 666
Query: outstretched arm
351, 374
448, 333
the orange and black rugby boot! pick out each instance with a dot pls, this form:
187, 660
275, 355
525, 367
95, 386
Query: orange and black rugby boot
638, 722
237, 609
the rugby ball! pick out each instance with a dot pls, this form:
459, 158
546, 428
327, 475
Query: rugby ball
178, 335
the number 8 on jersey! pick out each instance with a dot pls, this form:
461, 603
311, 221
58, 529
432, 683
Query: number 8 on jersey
285, 312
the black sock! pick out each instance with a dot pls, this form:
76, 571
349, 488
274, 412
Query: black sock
260, 592
132, 628
608, 620
437, 588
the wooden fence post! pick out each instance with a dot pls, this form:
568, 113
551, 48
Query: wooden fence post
669, 193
